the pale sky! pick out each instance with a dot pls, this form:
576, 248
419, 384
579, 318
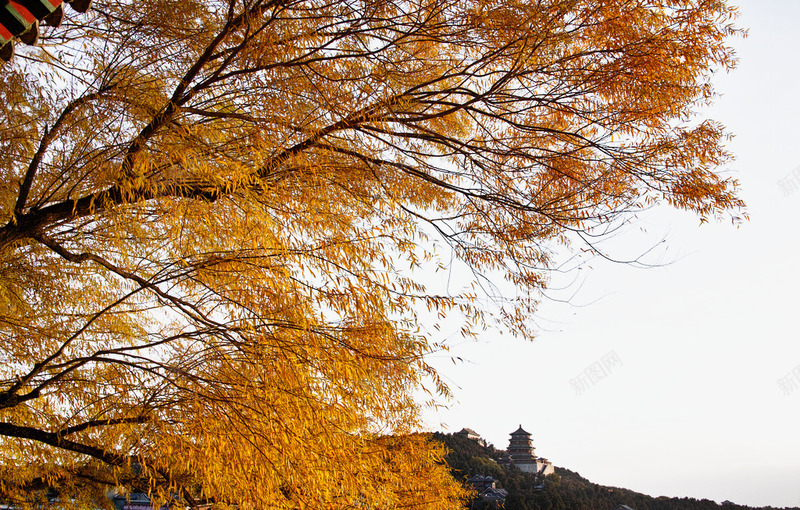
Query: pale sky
702, 401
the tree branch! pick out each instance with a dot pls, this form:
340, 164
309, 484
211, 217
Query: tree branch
55, 439
101, 423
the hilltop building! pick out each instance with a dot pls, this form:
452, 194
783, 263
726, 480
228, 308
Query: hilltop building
520, 454
471, 434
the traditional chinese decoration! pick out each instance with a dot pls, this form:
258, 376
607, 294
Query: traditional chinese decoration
19, 20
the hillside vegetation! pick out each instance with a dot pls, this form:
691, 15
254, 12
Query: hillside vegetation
564, 490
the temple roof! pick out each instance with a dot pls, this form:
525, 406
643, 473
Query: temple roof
520, 432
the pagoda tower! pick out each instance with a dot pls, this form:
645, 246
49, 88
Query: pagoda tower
520, 447
520, 454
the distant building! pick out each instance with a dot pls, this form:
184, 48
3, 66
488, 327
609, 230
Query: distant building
520, 454
134, 501
489, 496
471, 434
481, 483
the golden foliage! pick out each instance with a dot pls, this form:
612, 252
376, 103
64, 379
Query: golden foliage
211, 212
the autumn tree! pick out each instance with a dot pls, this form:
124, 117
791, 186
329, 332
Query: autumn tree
214, 213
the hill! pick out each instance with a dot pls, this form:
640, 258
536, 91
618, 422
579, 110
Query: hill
564, 490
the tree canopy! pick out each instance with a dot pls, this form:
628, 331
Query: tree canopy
213, 213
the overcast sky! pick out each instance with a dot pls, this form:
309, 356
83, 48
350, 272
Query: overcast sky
697, 397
